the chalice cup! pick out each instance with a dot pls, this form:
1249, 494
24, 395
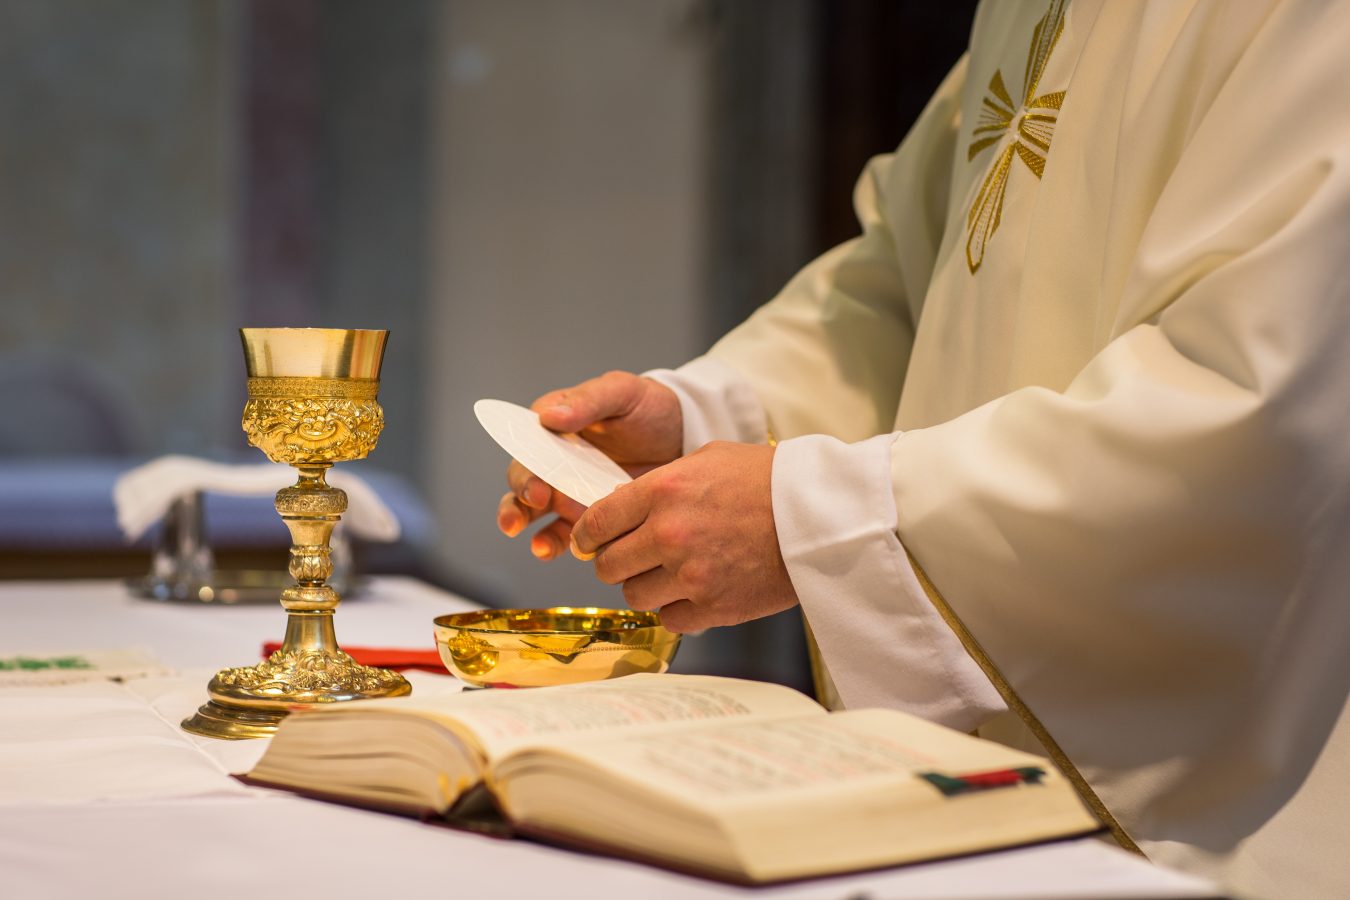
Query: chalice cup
311, 403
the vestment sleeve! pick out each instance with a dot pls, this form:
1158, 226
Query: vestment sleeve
828, 354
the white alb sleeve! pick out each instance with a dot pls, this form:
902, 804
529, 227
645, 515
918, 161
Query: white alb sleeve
882, 641
716, 402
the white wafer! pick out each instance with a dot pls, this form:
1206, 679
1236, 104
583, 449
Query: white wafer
568, 463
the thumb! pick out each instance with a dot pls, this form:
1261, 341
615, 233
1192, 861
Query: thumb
572, 409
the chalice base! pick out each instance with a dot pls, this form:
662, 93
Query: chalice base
309, 670
232, 723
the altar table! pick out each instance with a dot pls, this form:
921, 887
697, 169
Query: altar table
103, 796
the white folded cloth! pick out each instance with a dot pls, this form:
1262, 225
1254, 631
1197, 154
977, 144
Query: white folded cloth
102, 741
144, 494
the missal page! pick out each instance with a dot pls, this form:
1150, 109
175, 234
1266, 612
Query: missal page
502, 720
730, 760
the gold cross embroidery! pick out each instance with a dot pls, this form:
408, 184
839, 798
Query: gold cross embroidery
1035, 126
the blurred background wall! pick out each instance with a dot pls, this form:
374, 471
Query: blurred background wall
117, 205
526, 192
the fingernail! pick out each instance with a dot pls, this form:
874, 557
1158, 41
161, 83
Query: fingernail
577, 552
512, 524
562, 409
541, 547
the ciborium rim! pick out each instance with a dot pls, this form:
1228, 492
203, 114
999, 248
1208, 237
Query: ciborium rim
629, 620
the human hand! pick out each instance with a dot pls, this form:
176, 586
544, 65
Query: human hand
634, 420
694, 539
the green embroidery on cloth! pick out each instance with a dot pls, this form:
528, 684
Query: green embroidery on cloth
34, 664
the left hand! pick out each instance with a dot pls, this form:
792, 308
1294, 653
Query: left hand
635, 421
694, 539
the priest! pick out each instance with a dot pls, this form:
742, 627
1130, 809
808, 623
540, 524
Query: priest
1059, 447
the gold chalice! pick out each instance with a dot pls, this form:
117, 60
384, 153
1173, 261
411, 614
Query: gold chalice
311, 403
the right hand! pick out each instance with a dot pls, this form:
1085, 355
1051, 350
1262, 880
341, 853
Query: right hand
636, 421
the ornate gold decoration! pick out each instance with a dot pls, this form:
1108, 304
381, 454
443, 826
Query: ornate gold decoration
299, 502
312, 402
1035, 118
297, 674
287, 388
312, 429
470, 655
311, 562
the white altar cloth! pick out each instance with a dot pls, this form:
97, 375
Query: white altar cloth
102, 795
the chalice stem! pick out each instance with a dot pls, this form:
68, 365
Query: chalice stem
309, 632
311, 509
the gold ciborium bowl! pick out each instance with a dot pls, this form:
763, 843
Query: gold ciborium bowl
561, 645
311, 403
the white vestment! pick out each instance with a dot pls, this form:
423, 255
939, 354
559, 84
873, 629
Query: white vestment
1089, 363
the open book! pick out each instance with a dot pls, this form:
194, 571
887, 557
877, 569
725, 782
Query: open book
737, 780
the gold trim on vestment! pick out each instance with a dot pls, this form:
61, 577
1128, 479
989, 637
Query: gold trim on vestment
824, 695
1017, 705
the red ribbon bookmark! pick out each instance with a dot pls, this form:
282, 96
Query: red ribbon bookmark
951, 785
384, 657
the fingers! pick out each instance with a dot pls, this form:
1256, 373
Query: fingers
628, 557
682, 617
572, 409
578, 552
511, 516
651, 590
528, 499
612, 517
550, 541
533, 498
532, 491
